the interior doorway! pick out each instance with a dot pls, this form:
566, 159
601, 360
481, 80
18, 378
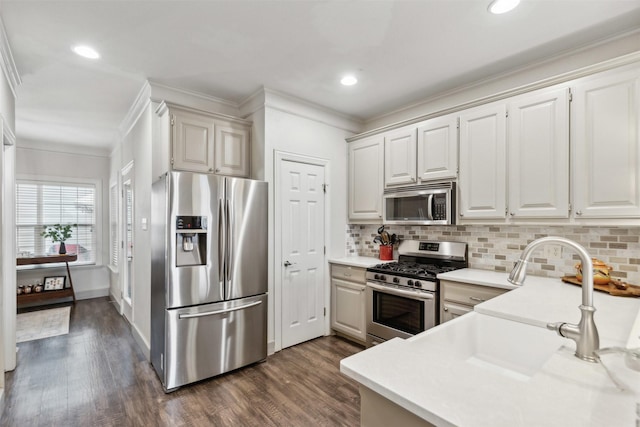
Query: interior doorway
127, 224
300, 255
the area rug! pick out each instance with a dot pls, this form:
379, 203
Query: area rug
36, 325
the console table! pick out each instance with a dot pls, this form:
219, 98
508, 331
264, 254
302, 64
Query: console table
46, 295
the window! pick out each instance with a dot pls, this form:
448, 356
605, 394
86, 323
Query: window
113, 225
42, 203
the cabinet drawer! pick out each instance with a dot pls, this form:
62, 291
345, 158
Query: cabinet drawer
468, 294
345, 272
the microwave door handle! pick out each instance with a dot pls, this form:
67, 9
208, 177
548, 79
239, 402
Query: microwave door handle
430, 207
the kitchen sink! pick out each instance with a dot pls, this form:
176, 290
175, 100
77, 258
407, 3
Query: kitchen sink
509, 348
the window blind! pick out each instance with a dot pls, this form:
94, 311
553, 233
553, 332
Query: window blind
40, 204
113, 225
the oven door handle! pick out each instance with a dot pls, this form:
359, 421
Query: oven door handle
400, 292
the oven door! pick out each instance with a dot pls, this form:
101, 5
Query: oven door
393, 312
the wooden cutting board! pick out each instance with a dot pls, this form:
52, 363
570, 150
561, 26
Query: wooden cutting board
611, 289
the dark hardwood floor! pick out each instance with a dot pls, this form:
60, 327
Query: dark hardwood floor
97, 376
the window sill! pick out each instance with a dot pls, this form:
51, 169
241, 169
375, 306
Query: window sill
56, 265
113, 269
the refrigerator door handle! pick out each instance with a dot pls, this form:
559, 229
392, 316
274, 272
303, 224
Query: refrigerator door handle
221, 239
212, 313
229, 248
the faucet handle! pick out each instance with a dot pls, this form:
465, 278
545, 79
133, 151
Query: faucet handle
555, 326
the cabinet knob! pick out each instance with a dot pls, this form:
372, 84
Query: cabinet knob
461, 214
512, 213
445, 309
210, 169
579, 213
217, 169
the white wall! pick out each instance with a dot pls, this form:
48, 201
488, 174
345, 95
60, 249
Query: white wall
299, 128
88, 281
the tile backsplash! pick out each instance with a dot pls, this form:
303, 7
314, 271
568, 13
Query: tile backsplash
497, 247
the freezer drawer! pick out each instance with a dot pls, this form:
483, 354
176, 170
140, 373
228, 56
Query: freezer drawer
211, 339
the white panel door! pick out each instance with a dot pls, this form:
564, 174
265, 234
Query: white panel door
366, 168
438, 148
539, 155
400, 157
303, 309
192, 146
483, 162
231, 150
606, 145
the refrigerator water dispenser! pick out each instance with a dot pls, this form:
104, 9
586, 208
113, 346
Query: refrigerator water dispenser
191, 241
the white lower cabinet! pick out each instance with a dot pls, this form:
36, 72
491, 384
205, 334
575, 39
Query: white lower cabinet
348, 314
460, 298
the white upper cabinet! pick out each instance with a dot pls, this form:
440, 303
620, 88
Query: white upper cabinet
400, 157
483, 163
538, 147
606, 145
438, 148
231, 150
193, 138
200, 141
366, 169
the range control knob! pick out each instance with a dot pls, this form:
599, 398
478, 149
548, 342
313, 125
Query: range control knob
383, 278
376, 276
410, 282
396, 280
417, 284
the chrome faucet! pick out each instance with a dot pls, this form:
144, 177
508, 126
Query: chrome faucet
585, 333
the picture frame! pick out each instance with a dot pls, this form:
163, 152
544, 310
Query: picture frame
54, 283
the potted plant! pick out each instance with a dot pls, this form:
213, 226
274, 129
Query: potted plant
58, 233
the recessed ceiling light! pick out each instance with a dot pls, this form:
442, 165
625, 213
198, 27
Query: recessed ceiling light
86, 51
502, 6
349, 80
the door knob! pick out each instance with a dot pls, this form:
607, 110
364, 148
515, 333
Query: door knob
287, 263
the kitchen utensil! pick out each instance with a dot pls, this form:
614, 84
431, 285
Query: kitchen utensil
377, 239
601, 272
394, 239
385, 238
380, 229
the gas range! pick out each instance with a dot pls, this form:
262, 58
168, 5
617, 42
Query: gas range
419, 263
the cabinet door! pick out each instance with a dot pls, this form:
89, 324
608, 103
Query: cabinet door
366, 165
348, 308
539, 155
400, 157
450, 311
606, 145
192, 142
231, 150
438, 148
483, 162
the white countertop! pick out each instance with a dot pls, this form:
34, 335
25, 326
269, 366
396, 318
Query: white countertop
478, 277
358, 261
446, 390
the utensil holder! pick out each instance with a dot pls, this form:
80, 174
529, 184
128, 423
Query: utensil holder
386, 252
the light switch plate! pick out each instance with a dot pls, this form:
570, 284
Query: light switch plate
144, 224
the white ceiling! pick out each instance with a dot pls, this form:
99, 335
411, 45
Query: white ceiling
402, 51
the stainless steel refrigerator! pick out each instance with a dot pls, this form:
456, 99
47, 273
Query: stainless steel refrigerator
208, 276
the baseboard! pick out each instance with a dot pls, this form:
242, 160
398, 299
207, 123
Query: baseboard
142, 343
271, 348
92, 293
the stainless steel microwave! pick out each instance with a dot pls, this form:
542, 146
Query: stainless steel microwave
428, 204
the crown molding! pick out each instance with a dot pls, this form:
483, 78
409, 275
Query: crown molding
61, 148
252, 103
161, 92
6, 61
305, 109
135, 111
624, 60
